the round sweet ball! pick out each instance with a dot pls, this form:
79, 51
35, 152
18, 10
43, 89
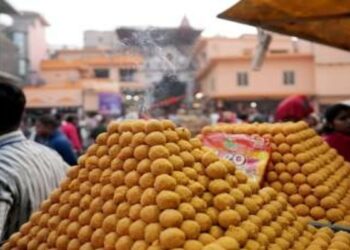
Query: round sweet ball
321, 191
329, 202
302, 210
335, 214
228, 243
239, 234
213, 246
317, 213
172, 238
193, 245
155, 138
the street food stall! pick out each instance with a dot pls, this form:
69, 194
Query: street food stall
148, 184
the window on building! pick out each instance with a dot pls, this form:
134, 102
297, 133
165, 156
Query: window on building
19, 39
22, 67
127, 75
288, 77
101, 73
242, 79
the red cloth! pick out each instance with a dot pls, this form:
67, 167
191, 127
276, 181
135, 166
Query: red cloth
340, 142
293, 108
169, 101
71, 132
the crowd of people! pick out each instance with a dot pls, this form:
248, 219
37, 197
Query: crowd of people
70, 136
334, 126
66, 134
34, 159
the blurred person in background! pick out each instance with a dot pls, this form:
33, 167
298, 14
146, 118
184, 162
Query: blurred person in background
28, 128
314, 122
242, 118
227, 117
47, 127
100, 128
214, 116
84, 133
28, 171
294, 108
254, 115
91, 121
336, 130
69, 128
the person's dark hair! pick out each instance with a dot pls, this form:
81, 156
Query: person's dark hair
58, 117
242, 116
70, 118
12, 104
50, 121
330, 114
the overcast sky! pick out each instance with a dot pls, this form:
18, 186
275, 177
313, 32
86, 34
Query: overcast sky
69, 18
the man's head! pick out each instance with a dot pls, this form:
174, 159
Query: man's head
338, 119
46, 125
71, 119
294, 108
12, 103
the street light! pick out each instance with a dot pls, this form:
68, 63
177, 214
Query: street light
199, 95
253, 105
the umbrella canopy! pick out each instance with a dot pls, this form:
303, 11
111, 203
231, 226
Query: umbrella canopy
322, 21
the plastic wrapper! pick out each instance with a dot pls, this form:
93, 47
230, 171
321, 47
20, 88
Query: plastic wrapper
250, 154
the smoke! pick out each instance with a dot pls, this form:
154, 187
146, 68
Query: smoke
160, 59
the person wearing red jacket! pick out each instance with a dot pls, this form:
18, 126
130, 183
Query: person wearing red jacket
70, 130
337, 129
294, 108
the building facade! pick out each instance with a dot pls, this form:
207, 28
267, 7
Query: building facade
28, 34
124, 69
84, 79
8, 50
100, 39
166, 51
224, 72
8, 59
332, 71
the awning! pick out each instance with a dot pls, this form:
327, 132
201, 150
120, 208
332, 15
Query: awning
53, 98
322, 21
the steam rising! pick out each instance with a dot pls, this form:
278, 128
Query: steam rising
150, 43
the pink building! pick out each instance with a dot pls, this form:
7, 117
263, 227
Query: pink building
81, 79
332, 68
73, 65
290, 67
28, 34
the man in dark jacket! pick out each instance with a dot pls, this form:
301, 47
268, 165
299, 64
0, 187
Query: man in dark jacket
47, 127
